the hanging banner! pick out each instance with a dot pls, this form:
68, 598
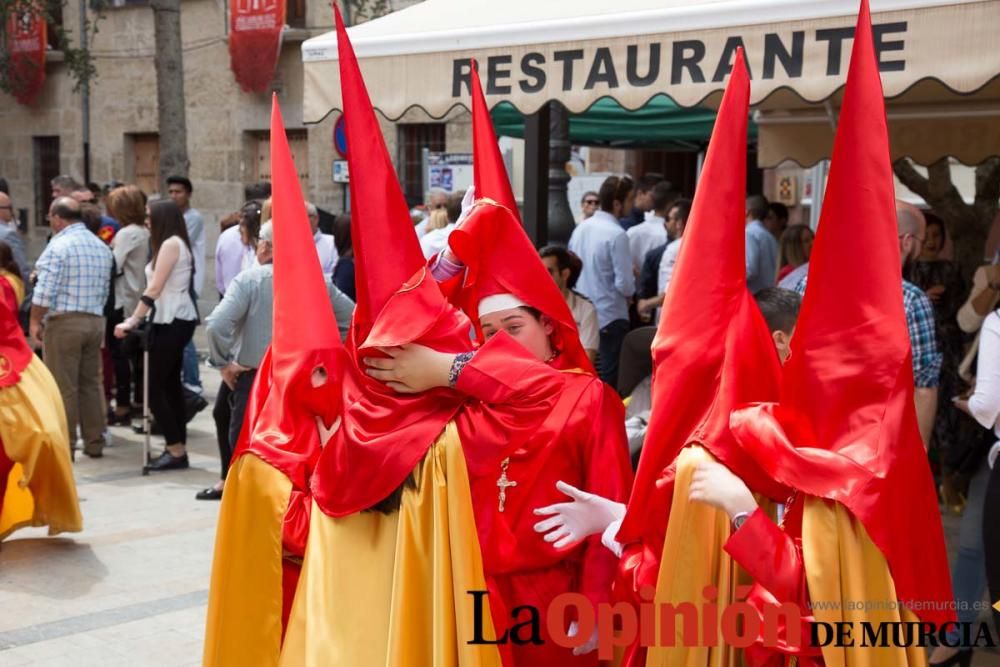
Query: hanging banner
255, 41
26, 40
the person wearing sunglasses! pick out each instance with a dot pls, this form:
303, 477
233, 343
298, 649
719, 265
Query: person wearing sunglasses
588, 205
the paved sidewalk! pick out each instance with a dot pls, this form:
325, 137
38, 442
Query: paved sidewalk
132, 588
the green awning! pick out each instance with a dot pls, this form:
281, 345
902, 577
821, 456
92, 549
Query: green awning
658, 124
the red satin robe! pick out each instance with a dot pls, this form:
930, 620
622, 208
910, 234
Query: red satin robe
773, 557
582, 442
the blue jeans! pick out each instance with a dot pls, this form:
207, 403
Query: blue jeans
609, 349
189, 373
968, 574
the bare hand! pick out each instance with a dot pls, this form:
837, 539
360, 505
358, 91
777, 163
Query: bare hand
121, 330
647, 306
716, 485
962, 404
231, 372
411, 368
35, 333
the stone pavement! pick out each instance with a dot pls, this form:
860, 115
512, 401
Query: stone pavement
132, 588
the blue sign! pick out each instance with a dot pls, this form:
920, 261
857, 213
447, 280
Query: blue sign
340, 137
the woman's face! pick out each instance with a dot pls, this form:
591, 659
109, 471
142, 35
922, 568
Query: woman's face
522, 326
933, 242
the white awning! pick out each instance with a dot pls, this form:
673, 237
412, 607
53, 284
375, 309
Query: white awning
533, 51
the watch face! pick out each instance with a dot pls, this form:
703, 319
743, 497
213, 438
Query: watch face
739, 521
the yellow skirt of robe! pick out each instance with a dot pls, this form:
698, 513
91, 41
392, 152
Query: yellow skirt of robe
693, 559
844, 567
40, 487
392, 590
243, 626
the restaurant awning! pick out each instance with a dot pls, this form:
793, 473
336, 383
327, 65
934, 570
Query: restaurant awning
661, 124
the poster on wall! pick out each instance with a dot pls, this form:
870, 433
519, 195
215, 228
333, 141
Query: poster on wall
26, 40
451, 172
255, 41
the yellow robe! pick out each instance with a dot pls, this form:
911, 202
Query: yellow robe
375, 590
40, 486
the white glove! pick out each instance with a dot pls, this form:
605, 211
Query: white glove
588, 646
608, 537
467, 203
991, 458
570, 523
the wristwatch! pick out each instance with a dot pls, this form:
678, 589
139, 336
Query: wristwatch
739, 520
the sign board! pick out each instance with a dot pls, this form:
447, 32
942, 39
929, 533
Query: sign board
340, 138
451, 172
340, 173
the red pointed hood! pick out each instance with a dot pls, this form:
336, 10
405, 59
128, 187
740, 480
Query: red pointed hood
846, 428
502, 260
386, 250
281, 417
489, 170
712, 350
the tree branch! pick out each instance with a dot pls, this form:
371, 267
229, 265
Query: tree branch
911, 178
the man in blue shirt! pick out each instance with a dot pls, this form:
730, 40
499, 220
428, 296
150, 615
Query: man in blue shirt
607, 278
761, 248
67, 316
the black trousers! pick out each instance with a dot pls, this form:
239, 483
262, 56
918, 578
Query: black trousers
230, 407
127, 363
609, 349
166, 394
991, 537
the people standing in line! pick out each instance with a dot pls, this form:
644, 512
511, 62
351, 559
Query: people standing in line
169, 295
588, 205
130, 246
607, 278
325, 245
761, 246
794, 247
179, 189
239, 332
67, 319
565, 268
343, 273
652, 232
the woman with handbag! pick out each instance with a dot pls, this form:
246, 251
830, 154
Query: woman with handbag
169, 283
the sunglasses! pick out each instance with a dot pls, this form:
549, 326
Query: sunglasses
590, 202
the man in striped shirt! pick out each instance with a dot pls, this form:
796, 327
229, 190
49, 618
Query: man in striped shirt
67, 317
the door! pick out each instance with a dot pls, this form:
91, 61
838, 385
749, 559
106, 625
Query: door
146, 162
298, 144
45, 166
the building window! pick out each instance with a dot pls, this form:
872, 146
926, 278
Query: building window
45, 166
413, 138
260, 156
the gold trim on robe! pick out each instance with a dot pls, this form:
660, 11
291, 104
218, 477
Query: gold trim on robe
41, 490
393, 591
844, 567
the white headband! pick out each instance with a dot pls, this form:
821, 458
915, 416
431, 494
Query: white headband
498, 302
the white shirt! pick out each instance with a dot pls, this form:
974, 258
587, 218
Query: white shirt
435, 240
984, 404
196, 234
607, 278
667, 264
644, 237
327, 251
175, 301
585, 316
421, 227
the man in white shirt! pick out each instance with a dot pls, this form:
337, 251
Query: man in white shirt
179, 189
437, 198
324, 242
676, 221
652, 231
565, 267
607, 278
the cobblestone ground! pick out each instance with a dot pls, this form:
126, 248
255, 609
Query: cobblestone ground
132, 588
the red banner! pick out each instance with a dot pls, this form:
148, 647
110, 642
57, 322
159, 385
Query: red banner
254, 41
26, 42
